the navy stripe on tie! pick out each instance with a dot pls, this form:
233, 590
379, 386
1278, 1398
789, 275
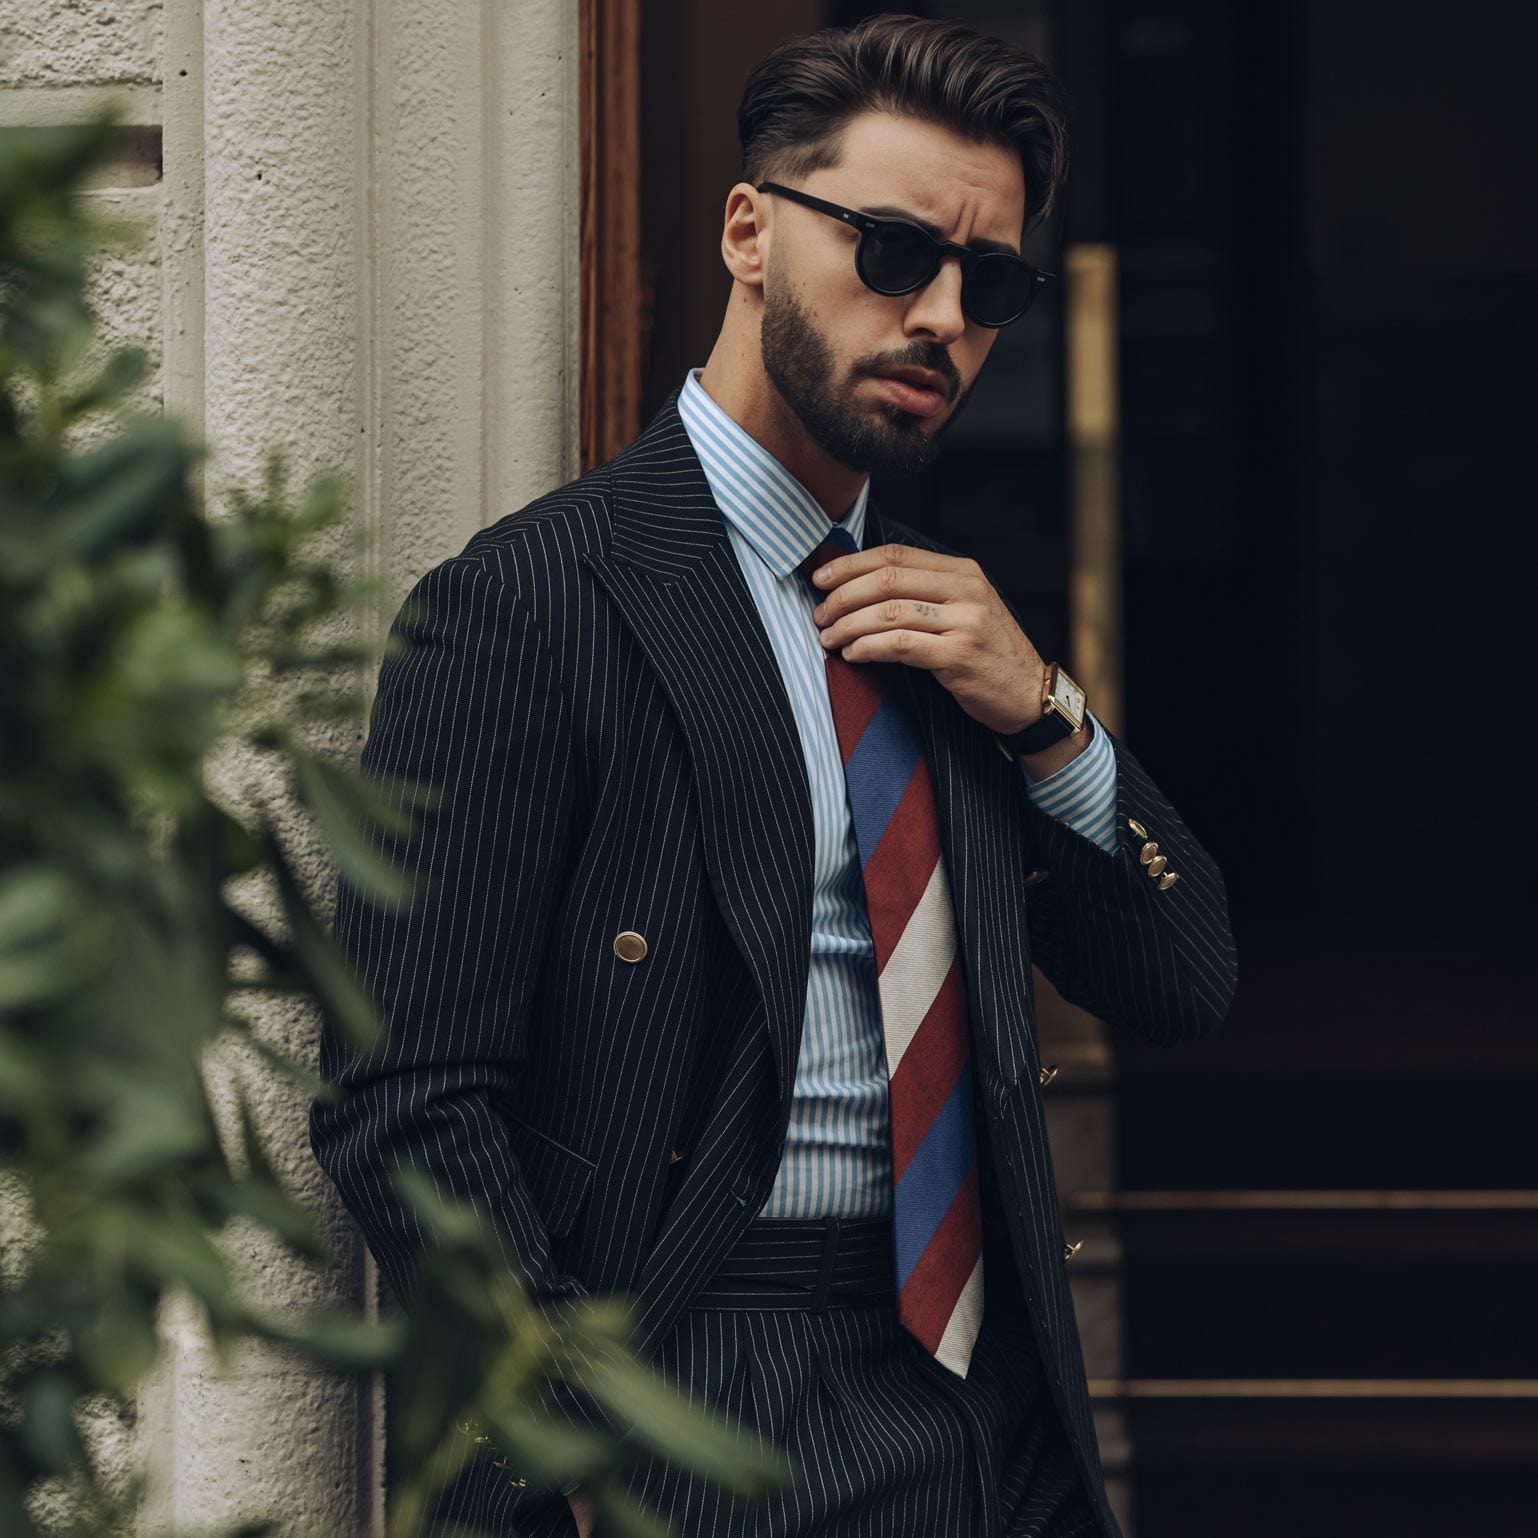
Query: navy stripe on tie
879, 769
936, 1173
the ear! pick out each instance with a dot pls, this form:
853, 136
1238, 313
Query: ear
745, 235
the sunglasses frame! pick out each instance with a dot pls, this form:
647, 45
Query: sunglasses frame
868, 224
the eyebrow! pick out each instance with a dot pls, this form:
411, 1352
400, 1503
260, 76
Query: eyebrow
977, 243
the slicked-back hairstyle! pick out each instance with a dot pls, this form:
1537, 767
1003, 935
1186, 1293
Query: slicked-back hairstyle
798, 98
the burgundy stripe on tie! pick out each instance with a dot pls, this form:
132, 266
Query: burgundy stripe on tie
936, 1206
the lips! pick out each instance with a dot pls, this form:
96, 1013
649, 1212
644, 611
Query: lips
919, 378
921, 399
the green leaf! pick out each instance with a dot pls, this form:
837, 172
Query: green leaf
338, 801
237, 848
622, 1517
305, 1078
48, 1426
34, 899
119, 1345
257, 1193
341, 994
174, 1250
551, 1452
663, 1420
39, 957
116, 491
275, 1211
150, 1123
24, 1076
451, 1221
355, 1345
117, 376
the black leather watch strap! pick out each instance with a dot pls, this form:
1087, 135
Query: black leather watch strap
1038, 735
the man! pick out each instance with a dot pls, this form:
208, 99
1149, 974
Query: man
756, 819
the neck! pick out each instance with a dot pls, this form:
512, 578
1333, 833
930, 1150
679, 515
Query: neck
743, 391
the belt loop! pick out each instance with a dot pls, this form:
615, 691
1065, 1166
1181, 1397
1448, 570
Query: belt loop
825, 1270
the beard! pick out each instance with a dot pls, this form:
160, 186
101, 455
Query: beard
882, 440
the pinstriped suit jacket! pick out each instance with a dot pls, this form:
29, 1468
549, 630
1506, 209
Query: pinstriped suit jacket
590, 687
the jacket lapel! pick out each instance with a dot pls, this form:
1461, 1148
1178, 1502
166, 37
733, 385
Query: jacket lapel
673, 577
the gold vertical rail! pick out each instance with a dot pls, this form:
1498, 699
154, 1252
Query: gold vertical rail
1094, 659
1094, 539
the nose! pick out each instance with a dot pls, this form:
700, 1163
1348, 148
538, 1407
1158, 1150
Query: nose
935, 309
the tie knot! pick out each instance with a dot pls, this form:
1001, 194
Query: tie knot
839, 542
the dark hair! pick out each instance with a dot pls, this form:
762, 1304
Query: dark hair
798, 98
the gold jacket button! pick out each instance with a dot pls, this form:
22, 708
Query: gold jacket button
1169, 878
1148, 851
629, 946
1048, 1074
676, 1157
1039, 874
1070, 1250
1137, 827
1156, 865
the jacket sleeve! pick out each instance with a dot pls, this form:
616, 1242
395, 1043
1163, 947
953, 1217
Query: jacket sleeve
469, 705
1160, 961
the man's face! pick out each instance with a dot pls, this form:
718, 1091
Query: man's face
827, 339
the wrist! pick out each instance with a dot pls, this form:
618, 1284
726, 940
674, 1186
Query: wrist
1057, 732
1035, 707
1049, 760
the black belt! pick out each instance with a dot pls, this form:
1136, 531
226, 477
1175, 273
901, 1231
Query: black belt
810, 1263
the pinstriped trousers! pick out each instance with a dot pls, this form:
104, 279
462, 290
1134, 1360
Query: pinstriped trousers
886, 1442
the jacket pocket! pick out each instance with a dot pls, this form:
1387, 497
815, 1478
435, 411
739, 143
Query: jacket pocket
558, 1177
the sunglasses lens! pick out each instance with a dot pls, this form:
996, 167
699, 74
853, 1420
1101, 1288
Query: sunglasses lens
998, 288
895, 258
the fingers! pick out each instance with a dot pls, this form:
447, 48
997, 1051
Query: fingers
909, 557
897, 603
937, 584
916, 648
891, 614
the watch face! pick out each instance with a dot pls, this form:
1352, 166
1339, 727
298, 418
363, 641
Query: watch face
1070, 699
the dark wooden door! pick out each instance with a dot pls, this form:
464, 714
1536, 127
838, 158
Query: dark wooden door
1327, 313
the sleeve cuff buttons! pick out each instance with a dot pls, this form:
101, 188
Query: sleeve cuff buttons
1154, 863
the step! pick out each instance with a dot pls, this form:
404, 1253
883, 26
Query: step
1334, 1460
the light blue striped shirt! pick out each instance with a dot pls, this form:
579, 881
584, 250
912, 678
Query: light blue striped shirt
837, 1157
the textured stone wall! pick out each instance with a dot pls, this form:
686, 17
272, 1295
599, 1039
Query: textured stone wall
80, 42
362, 248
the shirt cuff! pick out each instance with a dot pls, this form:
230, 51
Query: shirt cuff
1083, 792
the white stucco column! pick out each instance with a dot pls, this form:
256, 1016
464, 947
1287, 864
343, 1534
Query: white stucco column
370, 219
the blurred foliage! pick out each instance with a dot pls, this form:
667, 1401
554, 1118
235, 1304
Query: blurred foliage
139, 641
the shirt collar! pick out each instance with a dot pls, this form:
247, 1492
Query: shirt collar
757, 495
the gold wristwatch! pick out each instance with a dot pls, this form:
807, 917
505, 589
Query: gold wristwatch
1063, 711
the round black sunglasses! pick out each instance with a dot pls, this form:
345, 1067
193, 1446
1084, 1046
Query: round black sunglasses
896, 256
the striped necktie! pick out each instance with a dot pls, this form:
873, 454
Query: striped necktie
936, 1206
